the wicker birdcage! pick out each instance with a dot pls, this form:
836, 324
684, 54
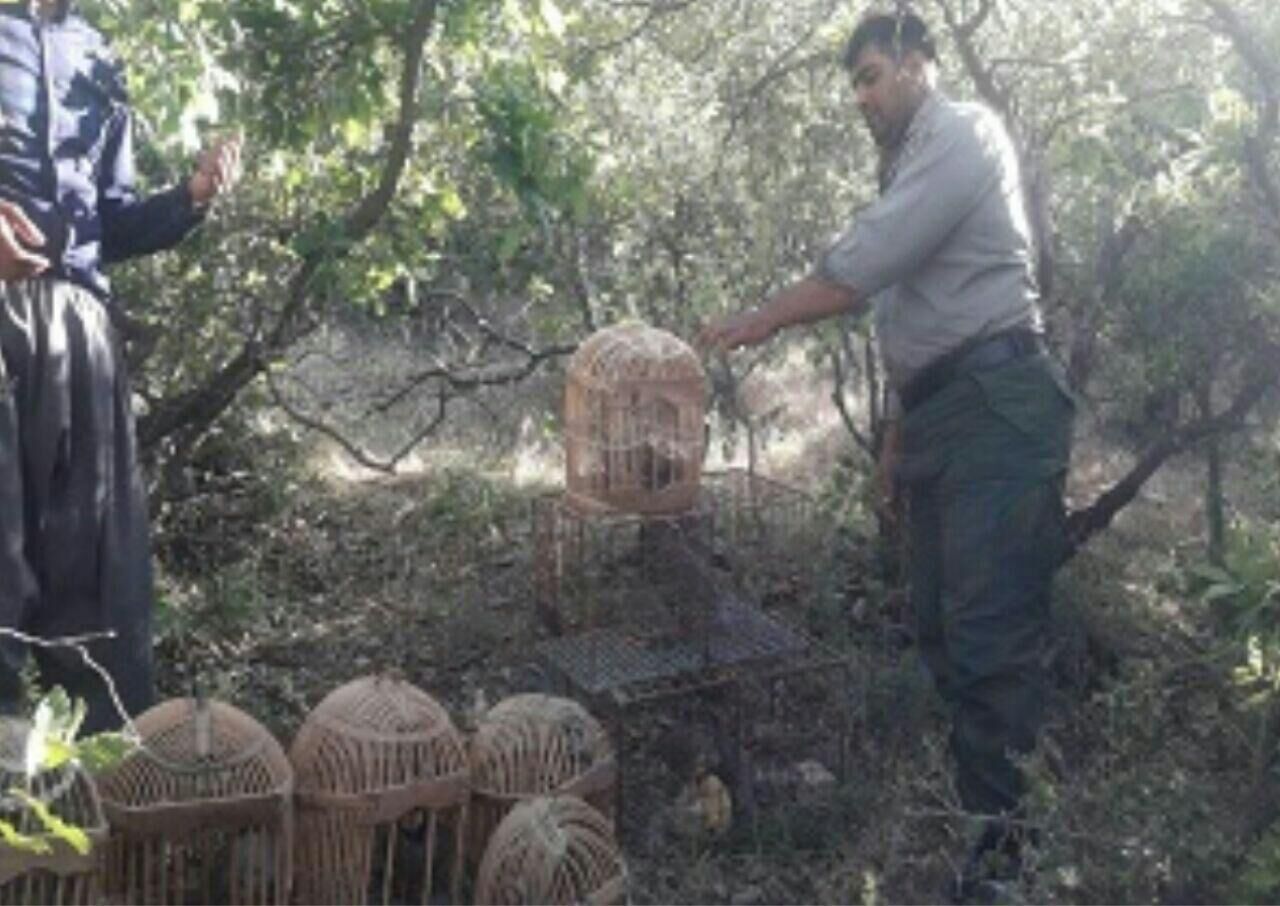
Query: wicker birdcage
202, 812
537, 745
634, 409
379, 766
554, 849
60, 874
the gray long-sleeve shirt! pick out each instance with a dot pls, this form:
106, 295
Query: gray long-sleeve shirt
946, 251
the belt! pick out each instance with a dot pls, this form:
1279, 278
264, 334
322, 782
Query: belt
988, 352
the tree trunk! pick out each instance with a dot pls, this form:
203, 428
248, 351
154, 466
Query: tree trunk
1214, 503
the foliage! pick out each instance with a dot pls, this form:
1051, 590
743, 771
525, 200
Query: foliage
50, 744
576, 162
1244, 593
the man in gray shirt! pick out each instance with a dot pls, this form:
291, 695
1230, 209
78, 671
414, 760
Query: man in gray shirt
979, 423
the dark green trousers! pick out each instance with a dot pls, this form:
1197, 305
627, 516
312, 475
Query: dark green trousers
984, 462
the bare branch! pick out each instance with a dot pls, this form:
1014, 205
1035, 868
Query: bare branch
653, 10
79, 644
839, 378
778, 69
353, 449
477, 376
984, 80
1084, 524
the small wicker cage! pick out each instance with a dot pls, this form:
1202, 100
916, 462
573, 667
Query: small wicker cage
552, 850
61, 874
379, 763
634, 408
202, 812
537, 745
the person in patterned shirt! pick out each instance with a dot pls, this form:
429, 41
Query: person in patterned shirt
74, 547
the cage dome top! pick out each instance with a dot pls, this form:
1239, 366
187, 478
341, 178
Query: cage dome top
345, 744
633, 351
382, 706
184, 739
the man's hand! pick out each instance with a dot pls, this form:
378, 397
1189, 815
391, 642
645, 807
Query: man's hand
803, 302
746, 328
217, 170
17, 262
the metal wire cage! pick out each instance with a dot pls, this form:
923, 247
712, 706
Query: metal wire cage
614, 568
634, 409
537, 745
202, 812
644, 603
552, 850
379, 766
60, 874
774, 537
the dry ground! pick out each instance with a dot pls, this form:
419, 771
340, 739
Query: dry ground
1147, 787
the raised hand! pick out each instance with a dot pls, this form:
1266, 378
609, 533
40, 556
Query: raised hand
217, 170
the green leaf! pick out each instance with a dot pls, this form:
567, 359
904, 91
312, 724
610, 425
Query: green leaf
511, 240
451, 204
1219, 592
103, 750
53, 728
1211, 573
75, 837
9, 834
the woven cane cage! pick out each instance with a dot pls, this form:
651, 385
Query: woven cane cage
61, 874
537, 745
634, 408
552, 850
202, 812
379, 767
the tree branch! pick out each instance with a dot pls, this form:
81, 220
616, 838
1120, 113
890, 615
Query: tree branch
1262, 63
1084, 524
1035, 178
475, 377
838, 379
653, 9
196, 410
353, 449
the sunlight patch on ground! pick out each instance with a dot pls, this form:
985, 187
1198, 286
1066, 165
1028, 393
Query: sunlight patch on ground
335, 466
537, 460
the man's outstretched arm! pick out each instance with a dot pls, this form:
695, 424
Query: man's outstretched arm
133, 226
803, 302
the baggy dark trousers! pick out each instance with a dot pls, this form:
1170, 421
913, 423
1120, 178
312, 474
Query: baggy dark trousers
74, 539
984, 463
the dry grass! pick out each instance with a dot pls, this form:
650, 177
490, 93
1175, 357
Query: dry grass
1140, 789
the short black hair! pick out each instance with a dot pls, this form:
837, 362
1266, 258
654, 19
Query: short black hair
893, 34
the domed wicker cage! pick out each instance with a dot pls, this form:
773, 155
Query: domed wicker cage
537, 745
61, 874
552, 850
202, 812
634, 408
379, 767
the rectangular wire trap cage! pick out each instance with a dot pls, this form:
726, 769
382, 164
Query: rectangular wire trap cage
644, 605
